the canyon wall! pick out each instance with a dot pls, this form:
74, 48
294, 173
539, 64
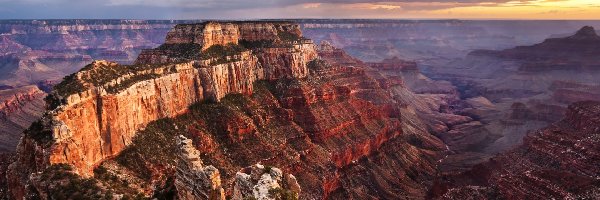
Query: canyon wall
222, 33
97, 113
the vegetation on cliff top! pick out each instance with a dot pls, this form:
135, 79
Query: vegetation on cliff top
185, 51
60, 182
99, 74
222, 51
38, 132
141, 155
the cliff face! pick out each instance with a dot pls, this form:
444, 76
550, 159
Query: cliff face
331, 122
222, 33
96, 112
95, 124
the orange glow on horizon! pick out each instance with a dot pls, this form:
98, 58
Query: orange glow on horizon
516, 9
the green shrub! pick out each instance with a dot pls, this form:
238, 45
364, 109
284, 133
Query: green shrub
141, 155
221, 51
288, 37
38, 132
185, 51
257, 44
64, 184
69, 85
317, 64
282, 194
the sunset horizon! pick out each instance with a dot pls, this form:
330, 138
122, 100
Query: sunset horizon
299, 99
262, 9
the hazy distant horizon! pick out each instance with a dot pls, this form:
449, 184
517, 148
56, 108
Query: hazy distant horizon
276, 9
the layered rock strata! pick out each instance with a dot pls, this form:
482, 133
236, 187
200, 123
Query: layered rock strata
221, 33
95, 112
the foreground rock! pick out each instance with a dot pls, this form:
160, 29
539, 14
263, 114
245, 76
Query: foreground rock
264, 183
193, 179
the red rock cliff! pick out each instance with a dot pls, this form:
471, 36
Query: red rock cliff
99, 109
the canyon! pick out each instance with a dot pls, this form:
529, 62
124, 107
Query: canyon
255, 109
82, 128
558, 161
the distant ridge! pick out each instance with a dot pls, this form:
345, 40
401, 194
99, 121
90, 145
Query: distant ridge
576, 52
587, 32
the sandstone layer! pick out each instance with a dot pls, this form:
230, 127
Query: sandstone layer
96, 112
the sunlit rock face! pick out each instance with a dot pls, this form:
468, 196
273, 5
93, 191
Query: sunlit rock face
332, 122
95, 112
558, 161
213, 33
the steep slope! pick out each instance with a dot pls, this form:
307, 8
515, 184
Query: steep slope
559, 161
266, 99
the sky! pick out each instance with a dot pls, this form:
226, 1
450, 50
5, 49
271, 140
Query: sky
267, 9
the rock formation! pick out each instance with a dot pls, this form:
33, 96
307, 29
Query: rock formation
221, 33
39, 50
95, 112
193, 179
272, 102
258, 92
196, 181
264, 183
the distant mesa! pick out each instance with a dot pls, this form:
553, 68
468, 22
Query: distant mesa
587, 32
576, 52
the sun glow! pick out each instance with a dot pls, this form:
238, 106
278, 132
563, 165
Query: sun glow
515, 9
537, 9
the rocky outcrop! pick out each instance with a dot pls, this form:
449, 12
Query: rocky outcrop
222, 33
196, 181
264, 183
193, 179
95, 113
337, 130
18, 109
